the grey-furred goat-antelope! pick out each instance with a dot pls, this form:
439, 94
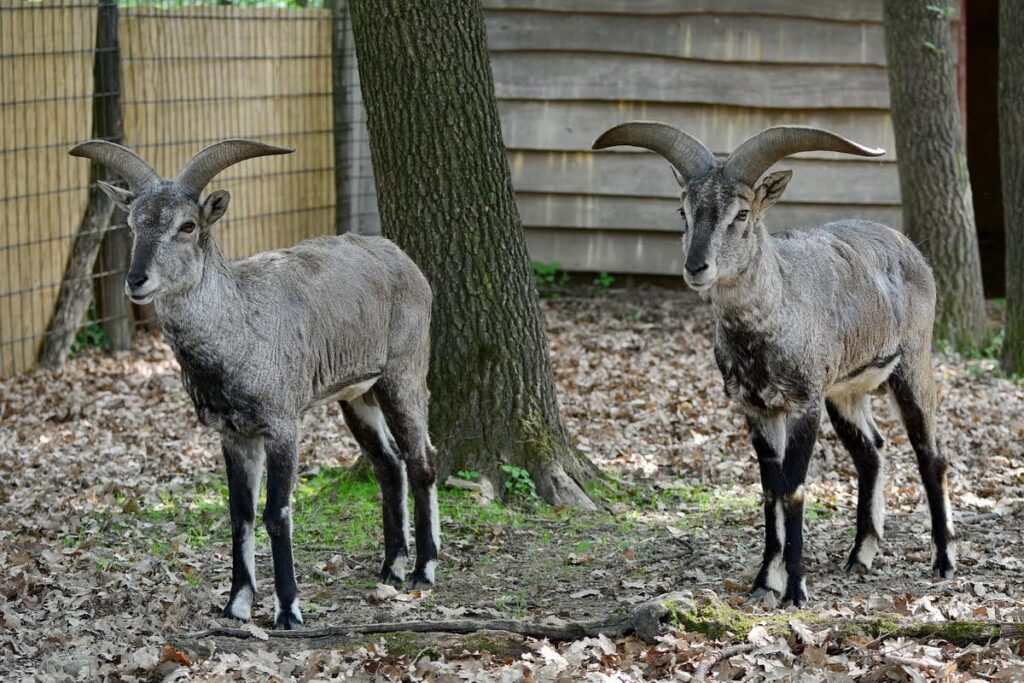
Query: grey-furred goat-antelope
807, 318
263, 339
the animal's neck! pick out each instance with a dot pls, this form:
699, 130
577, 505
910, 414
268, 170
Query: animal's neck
207, 315
753, 298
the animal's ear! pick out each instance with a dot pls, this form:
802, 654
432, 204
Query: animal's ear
118, 195
770, 190
214, 206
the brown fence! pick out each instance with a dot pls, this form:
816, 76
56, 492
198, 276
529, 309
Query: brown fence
197, 75
46, 90
190, 76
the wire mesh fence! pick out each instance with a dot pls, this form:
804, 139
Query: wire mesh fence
186, 77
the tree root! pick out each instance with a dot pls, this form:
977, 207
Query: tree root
704, 614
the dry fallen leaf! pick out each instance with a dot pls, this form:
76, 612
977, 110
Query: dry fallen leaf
382, 593
169, 654
256, 631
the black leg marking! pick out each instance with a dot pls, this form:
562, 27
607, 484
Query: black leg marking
277, 517
782, 480
850, 419
366, 422
405, 408
803, 434
768, 439
421, 476
916, 403
243, 459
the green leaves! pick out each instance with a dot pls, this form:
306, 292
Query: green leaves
519, 483
947, 12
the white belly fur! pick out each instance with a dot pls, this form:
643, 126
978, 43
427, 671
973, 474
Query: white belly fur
864, 382
352, 391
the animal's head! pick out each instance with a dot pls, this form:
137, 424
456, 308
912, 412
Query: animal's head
170, 224
722, 201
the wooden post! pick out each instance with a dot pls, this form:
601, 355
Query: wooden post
77, 284
112, 306
341, 52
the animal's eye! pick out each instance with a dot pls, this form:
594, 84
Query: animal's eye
187, 228
742, 215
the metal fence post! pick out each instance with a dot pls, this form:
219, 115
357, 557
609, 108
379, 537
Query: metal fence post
111, 305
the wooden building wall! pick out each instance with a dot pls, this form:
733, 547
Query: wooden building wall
565, 70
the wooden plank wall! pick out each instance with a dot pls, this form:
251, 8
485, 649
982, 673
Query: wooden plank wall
46, 56
565, 70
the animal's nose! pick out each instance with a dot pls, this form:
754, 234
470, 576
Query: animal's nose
699, 269
136, 280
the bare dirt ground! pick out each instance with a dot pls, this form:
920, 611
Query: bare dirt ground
114, 538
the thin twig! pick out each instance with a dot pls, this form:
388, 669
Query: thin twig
573, 631
983, 517
708, 664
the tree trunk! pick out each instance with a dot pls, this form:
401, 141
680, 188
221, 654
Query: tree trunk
77, 284
934, 181
1011, 139
112, 305
341, 53
445, 196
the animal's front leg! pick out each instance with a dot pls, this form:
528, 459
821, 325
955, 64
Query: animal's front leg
277, 517
244, 461
769, 438
782, 480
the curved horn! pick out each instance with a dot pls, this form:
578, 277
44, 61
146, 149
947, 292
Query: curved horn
686, 153
125, 162
751, 159
201, 169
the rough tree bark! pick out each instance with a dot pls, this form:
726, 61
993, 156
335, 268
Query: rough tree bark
445, 196
77, 284
341, 51
934, 181
1011, 142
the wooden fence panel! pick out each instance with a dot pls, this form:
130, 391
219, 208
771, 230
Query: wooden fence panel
195, 75
46, 57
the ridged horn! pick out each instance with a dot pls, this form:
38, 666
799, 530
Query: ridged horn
125, 162
751, 159
686, 153
201, 169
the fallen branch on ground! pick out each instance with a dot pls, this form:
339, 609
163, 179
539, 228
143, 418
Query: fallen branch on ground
705, 614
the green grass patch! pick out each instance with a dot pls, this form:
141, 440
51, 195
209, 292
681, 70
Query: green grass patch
338, 509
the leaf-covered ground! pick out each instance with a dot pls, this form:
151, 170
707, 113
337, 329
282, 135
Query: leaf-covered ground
114, 537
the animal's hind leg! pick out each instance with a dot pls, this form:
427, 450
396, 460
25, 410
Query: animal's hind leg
913, 388
851, 418
404, 403
366, 422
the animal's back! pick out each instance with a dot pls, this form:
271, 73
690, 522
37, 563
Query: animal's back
869, 281
328, 306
